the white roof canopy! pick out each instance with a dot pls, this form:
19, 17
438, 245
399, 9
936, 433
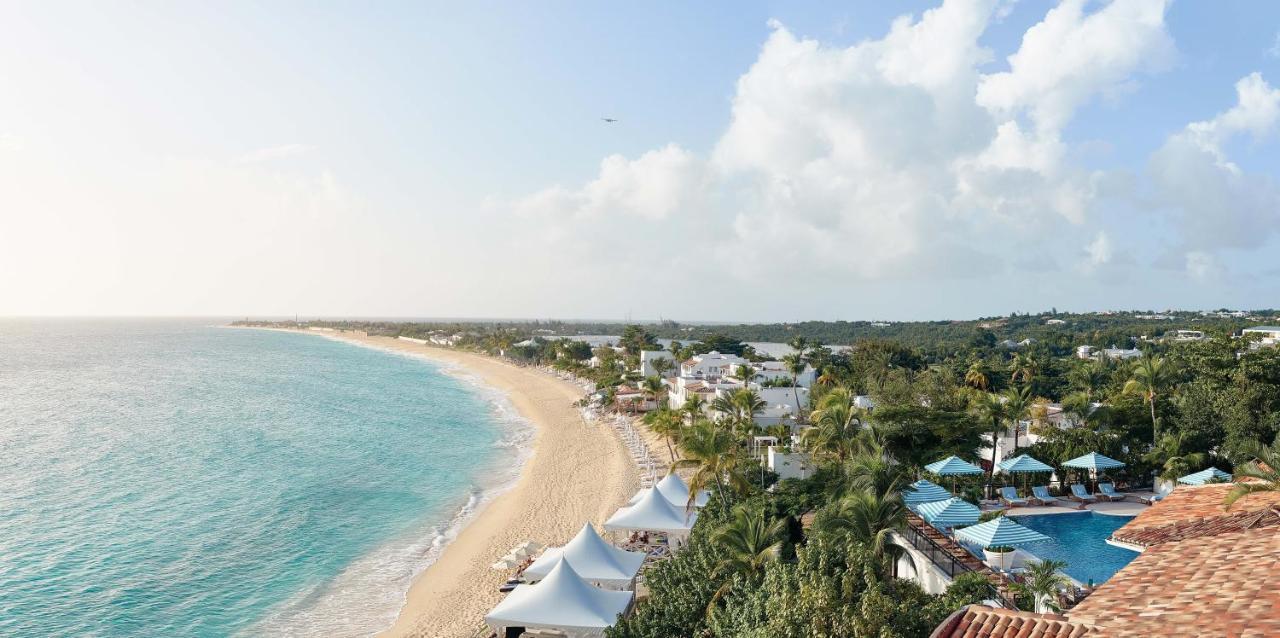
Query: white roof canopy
676, 491
562, 602
593, 559
652, 513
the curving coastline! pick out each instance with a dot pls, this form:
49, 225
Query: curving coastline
575, 472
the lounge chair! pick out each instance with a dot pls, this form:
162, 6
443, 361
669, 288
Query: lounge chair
1079, 494
1009, 496
1042, 496
1148, 499
1108, 491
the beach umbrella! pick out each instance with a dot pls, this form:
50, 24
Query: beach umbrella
1023, 464
1204, 476
1000, 532
505, 563
953, 466
923, 491
526, 548
1094, 462
949, 513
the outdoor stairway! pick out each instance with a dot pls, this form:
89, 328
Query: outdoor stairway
961, 556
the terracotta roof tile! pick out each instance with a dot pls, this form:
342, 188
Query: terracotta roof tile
980, 621
1193, 512
1222, 585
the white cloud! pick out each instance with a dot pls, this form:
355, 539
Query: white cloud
276, 152
1099, 250
1215, 204
894, 158
1274, 51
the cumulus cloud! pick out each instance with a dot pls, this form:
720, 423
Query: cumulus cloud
894, 158
1216, 205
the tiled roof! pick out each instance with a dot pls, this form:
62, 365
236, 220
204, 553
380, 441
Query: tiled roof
980, 621
1192, 512
1222, 585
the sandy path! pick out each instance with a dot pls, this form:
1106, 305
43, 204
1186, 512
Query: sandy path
578, 472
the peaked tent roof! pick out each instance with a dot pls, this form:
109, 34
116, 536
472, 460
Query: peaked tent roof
1000, 531
952, 465
653, 513
923, 491
676, 491
595, 560
949, 513
560, 601
1024, 463
1204, 476
1094, 461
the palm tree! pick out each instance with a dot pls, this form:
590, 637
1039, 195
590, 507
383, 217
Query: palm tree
827, 378
869, 517
976, 377
1264, 469
835, 425
1018, 402
881, 364
1042, 581
652, 388
1088, 377
990, 408
662, 366
746, 372
1152, 377
1168, 453
747, 543
716, 457
1024, 368
796, 365
739, 407
667, 424
693, 407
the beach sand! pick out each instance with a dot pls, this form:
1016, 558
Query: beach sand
578, 472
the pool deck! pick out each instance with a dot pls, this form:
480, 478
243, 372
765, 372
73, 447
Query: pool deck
1119, 508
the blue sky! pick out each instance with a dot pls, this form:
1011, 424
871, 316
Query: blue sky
772, 161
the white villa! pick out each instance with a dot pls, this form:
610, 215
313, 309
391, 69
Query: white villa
711, 365
1270, 334
648, 357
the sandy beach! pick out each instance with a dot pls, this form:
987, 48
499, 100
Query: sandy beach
578, 472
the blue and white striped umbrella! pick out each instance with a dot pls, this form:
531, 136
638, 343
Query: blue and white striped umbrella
1023, 463
952, 466
1094, 461
1204, 476
949, 513
923, 491
1000, 531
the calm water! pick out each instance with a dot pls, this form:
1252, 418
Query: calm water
1080, 539
176, 479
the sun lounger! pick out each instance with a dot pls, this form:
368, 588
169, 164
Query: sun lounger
1009, 496
1078, 493
1148, 499
1108, 491
1042, 496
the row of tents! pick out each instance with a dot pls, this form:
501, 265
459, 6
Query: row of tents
581, 589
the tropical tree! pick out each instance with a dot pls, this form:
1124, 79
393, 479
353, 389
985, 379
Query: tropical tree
740, 407
1170, 453
1152, 377
662, 366
747, 543
835, 425
796, 365
1018, 403
1023, 368
976, 377
828, 377
717, 460
869, 517
1263, 472
745, 372
652, 387
693, 407
1042, 581
1089, 378
667, 424
991, 410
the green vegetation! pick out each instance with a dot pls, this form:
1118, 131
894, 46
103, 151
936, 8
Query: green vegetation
939, 388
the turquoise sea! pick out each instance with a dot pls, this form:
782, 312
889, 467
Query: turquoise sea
175, 478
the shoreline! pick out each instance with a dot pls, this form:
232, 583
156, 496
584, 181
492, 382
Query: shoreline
574, 472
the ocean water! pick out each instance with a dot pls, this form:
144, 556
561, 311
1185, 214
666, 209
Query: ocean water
174, 478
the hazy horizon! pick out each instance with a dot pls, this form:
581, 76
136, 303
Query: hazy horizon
770, 161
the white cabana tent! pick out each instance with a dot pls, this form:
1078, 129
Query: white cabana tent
596, 561
653, 513
676, 491
562, 602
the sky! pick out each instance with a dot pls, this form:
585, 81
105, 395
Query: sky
771, 161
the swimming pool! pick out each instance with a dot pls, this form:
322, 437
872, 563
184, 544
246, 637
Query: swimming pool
1080, 540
